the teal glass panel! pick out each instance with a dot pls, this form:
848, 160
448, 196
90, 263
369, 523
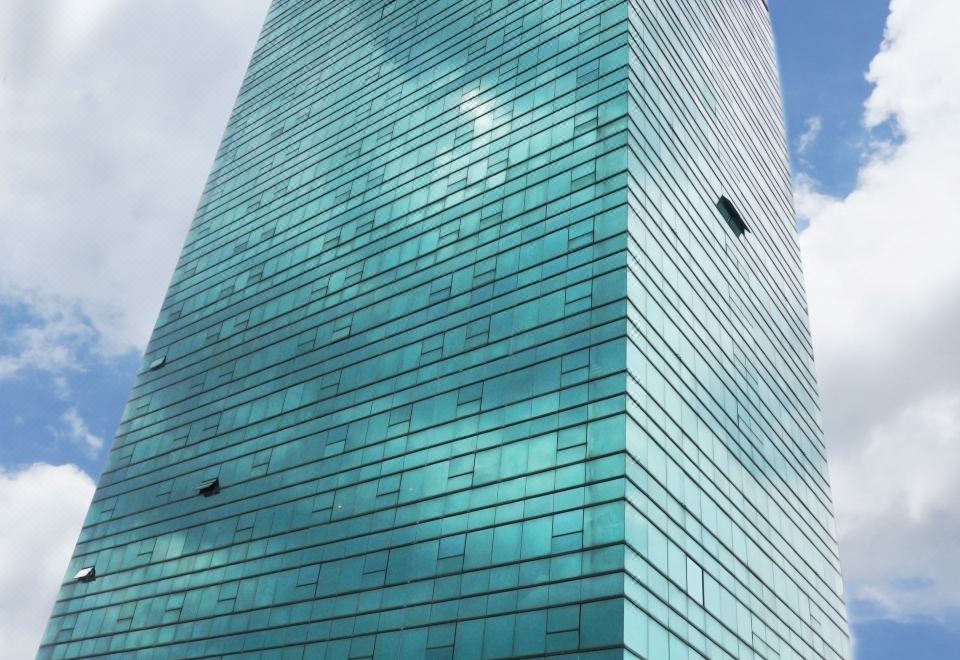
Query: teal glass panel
731, 547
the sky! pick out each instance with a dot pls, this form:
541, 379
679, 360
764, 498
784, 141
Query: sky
111, 112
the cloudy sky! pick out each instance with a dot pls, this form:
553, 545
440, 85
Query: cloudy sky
111, 111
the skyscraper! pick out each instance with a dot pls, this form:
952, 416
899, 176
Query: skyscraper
488, 340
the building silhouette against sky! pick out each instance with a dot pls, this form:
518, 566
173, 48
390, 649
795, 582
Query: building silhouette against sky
488, 340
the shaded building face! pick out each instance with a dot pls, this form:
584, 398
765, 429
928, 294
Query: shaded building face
488, 341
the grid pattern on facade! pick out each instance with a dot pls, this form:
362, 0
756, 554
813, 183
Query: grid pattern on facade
461, 358
730, 530
395, 337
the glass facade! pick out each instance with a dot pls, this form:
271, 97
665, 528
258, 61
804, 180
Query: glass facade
465, 358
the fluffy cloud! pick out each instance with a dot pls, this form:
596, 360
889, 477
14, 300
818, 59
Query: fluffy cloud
42, 512
76, 429
110, 114
47, 339
883, 279
812, 128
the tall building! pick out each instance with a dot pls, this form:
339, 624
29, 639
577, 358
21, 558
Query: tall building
488, 340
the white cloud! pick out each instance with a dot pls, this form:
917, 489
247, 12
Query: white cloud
812, 128
883, 279
76, 429
49, 340
40, 519
61, 387
897, 497
914, 74
110, 115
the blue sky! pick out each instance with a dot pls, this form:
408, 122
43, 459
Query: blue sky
33, 404
825, 48
110, 116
